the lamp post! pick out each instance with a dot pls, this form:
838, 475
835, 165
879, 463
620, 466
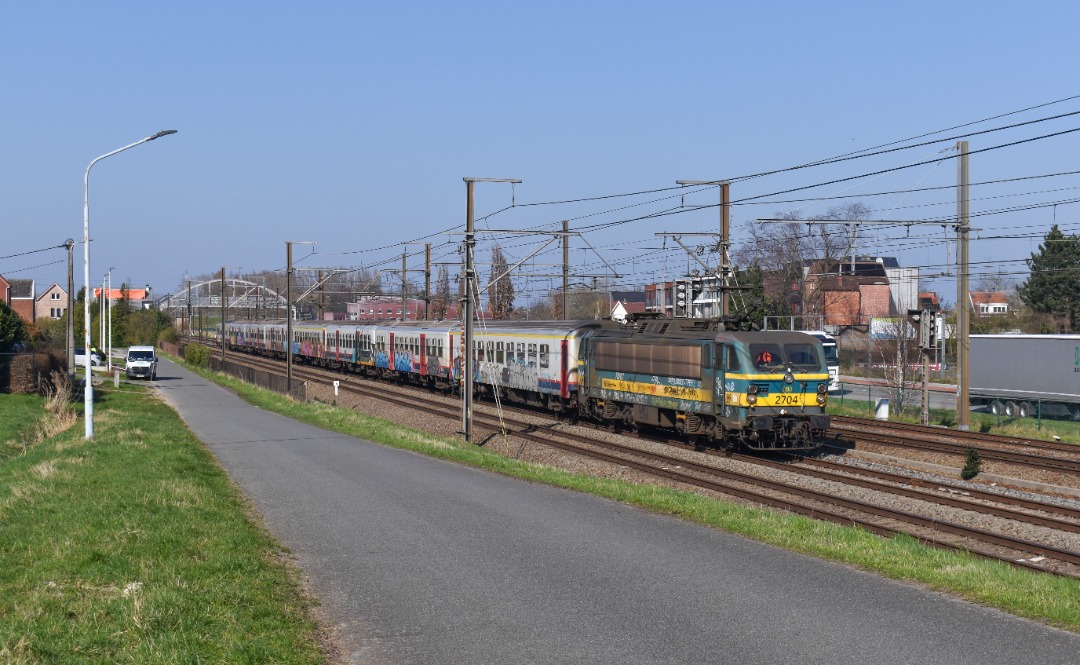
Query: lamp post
108, 303
88, 390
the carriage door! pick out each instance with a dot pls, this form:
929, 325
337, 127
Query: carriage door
564, 369
337, 345
390, 353
423, 354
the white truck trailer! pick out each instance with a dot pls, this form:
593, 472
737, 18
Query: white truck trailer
1026, 375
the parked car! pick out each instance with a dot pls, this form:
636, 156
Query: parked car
96, 359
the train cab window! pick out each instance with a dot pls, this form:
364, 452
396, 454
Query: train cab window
543, 361
499, 357
731, 358
767, 356
802, 356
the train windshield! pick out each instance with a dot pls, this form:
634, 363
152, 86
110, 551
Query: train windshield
800, 357
767, 356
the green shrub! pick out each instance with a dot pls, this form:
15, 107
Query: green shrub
168, 335
197, 354
972, 465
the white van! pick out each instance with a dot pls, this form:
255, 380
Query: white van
141, 362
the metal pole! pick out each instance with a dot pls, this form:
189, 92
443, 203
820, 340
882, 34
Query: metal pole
404, 311
223, 318
189, 310
565, 266
466, 308
427, 279
70, 244
470, 279
963, 413
725, 243
288, 318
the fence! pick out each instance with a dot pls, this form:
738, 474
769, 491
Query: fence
261, 378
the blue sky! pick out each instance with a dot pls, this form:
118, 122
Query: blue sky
353, 124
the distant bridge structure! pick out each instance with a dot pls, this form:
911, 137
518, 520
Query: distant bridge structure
243, 300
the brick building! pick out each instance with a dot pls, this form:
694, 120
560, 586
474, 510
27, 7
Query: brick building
20, 297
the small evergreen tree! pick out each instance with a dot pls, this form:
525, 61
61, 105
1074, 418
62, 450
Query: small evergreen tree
972, 465
1054, 284
12, 329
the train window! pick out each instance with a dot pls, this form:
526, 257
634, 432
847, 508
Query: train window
732, 358
532, 353
480, 351
767, 356
802, 356
543, 360
521, 352
499, 357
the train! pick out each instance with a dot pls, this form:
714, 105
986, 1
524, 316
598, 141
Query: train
759, 390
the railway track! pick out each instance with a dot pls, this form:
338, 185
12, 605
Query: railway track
1001, 449
789, 496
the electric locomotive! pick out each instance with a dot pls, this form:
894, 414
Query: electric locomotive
763, 390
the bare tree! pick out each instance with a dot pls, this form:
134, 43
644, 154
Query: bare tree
440, 304
501, 291
794, 258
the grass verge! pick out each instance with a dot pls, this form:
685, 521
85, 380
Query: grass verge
135, 547
1034, 595
1047, 429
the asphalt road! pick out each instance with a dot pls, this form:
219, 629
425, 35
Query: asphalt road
418, 560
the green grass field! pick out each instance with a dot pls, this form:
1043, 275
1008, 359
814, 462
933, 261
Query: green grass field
135, 547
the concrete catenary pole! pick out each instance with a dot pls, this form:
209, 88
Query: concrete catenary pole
963, 409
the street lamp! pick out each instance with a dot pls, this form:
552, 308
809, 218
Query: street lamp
108, 303
88, 389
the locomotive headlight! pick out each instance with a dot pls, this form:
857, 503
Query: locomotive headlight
789, 378
821, 388
821, 399
752, 389
751, 399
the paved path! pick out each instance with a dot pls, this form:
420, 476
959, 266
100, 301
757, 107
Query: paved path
419, 560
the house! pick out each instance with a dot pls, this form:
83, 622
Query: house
385, 308
659, 298
21, 298
52, 303
988, 303
852, 291
137, 298
632, 302
929, 300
